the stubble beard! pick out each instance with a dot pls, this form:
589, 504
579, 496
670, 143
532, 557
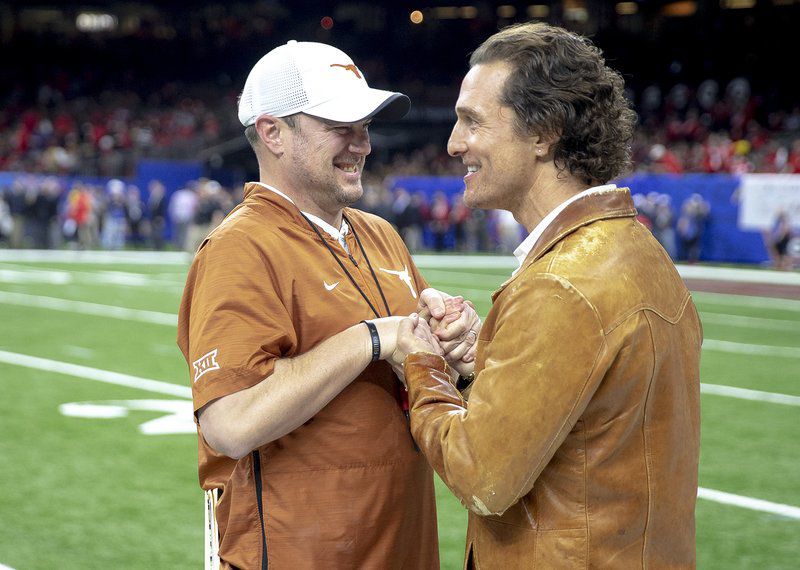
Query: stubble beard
321, 185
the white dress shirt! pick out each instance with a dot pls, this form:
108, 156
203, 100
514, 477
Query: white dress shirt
527, 245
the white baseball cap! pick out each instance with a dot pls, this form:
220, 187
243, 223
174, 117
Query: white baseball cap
318, 80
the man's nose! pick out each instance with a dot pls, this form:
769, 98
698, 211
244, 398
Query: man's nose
455, 144
359, 142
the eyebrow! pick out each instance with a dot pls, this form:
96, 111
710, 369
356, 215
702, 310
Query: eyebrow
468, 111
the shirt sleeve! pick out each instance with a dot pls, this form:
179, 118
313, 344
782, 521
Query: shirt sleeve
232, 325
540, 369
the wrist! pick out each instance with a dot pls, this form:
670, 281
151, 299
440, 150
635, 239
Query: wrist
373, 342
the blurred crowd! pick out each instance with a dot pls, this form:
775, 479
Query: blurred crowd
105, 136
709, 128
37, 212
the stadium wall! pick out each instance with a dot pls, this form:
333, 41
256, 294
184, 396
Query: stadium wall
723, 241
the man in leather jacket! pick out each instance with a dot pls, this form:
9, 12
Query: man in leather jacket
578, 446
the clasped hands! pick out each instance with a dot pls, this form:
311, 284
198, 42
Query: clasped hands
444, 325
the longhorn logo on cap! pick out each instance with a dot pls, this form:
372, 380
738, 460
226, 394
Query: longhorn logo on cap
348, 67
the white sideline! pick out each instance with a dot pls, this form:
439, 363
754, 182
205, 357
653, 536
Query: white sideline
739, 274
4, 567
749, 322
746, 275
727, 300
83, 307
757, 349
107, 376
102, 257
175, 390
746, 394
749, 503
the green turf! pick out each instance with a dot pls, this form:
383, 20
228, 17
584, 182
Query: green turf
96, 493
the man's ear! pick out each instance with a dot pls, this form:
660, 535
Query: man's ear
271, 131
543, 144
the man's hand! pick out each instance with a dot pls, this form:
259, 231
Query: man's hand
456, 325
413, 335
423, 338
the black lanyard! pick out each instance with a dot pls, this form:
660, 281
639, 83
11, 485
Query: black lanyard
349, 276
400, 392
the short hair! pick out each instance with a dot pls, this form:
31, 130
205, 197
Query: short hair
252, 134
560, 87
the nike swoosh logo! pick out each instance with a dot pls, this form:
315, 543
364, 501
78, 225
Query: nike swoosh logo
330, 287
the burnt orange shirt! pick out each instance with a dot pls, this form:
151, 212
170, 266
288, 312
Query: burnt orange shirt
346, 489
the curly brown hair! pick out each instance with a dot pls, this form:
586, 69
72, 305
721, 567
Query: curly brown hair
560, 87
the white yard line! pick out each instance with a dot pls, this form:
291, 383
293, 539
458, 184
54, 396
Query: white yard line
749, 503
423, 260
745, 394
752, 349
728, 300
740, 275
185, 392
95, 309
749, 322
97, 374
22, 274
100, 257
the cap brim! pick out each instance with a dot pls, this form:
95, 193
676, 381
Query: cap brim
362, 105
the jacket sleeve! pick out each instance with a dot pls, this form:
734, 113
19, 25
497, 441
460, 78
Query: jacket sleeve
541, 363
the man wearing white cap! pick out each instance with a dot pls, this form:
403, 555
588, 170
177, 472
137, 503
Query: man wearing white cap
289, 313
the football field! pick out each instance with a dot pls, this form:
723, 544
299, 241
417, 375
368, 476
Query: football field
98, 456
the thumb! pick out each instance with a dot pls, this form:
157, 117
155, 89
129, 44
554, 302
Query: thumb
407, 325
434, 301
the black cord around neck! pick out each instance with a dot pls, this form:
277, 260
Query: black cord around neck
349, 276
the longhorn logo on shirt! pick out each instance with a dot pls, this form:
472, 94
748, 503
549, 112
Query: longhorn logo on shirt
348, 67
403, 276
205, 363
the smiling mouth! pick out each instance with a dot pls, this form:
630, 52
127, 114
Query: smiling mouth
472, 169
348, 168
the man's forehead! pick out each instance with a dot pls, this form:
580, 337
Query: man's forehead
482, 86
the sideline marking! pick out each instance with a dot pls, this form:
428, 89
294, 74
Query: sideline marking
175, 390
746, 394
95, 309
66, 277
179, 416
749, 503
757, 349
97, 256
739, 274
4, 567
97, 374
749, 322
728, 300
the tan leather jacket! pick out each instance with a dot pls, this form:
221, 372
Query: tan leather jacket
579, 446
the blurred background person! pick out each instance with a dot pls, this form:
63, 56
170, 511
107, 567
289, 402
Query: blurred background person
157, 212
182, 206
777, 241
691, 226
115, 216
439, 222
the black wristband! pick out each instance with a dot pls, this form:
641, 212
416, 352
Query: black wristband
376, 340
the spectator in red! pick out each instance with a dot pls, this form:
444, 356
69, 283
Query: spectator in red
77, 216
440, 220
459, 216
